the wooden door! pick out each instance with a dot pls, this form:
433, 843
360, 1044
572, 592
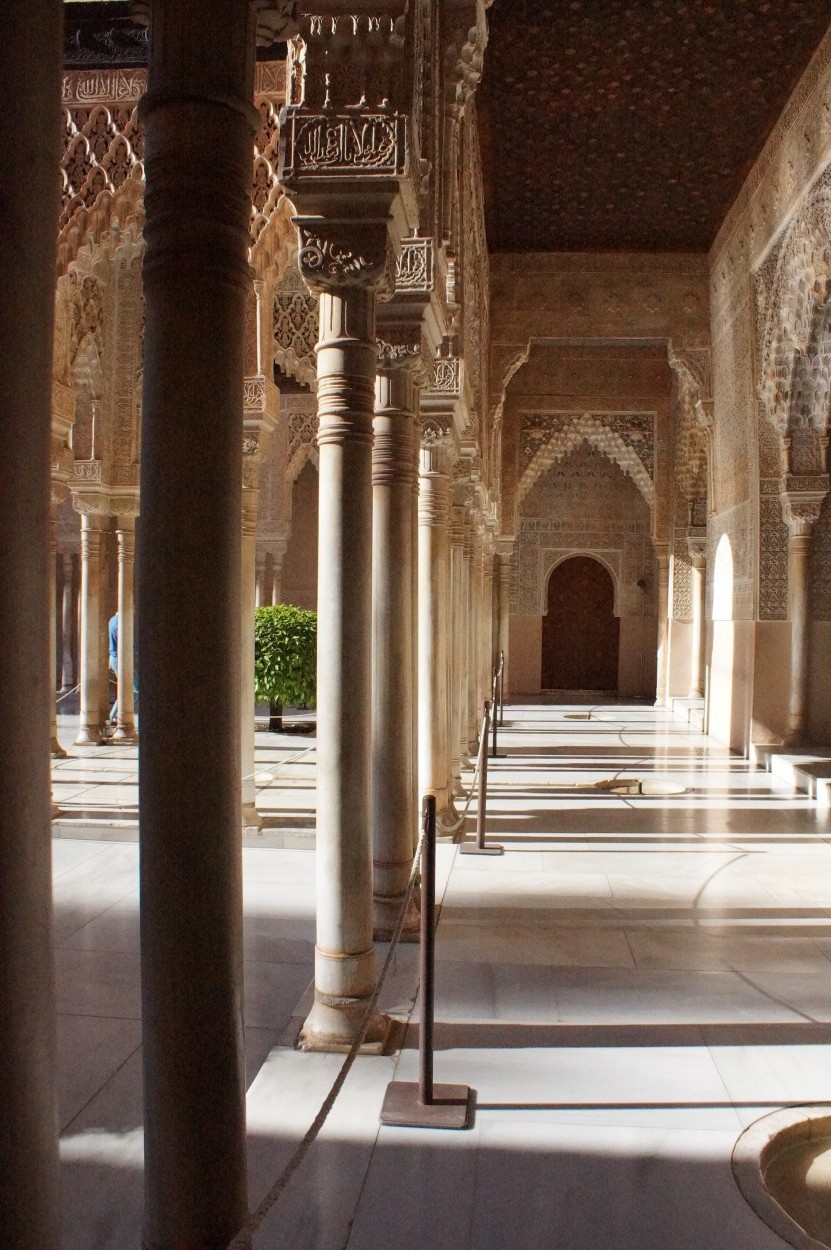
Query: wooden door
580, 633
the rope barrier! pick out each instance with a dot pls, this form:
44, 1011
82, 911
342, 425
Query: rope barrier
242, 1239
272, 772
66, 695
454, 828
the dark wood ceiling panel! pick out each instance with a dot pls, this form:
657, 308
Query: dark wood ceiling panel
631, 124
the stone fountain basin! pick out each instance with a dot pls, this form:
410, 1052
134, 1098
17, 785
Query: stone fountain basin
782, 1165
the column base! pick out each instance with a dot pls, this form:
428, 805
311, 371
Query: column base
449, 826
333, 1024
89, 735
125, 734
458, 790
56, 750
252, 821
385, 914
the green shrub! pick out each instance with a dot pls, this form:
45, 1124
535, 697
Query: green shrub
285, 655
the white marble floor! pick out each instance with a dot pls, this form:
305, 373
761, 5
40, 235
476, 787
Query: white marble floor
636, 979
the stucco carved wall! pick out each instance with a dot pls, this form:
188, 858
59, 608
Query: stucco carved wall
770, 277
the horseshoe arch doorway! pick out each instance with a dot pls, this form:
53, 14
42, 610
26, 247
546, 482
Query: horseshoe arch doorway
580, 632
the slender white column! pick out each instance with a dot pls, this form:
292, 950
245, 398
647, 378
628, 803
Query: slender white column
69, 624
346, 360
392, 647
276, 588
503, 638
465, 612
458, 640
262, 594
198, 122
698, 567
433, 621
799, 551
414, 617
485, 623
662, 558
93, 674
800, 510
251, 820
29, 154
472, 558
56, 749
125, 730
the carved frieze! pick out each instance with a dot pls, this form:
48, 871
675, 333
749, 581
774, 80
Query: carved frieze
253, 396
327, 145
103, 86
414, 268
446, 378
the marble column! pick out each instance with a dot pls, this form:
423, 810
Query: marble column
251, 820
57, 750
662, 562
276, 588
393, 819
69, 623
344, 261
433, 626
29, 152
458, 648
125, 729
464, 716
94, 527
485, 621
414, 609
198, 121
801, 511
474, 706
505, 571
263, 580
698, 568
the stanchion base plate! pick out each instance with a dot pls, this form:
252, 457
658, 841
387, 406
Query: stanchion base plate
471, 848
453, 1106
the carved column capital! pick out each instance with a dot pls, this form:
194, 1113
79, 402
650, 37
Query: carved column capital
91, 503
338, 256
801, 509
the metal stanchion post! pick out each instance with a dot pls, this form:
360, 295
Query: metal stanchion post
478, 847
423, 1104
494, 706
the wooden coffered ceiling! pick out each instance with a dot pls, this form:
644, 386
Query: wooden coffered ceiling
631, 124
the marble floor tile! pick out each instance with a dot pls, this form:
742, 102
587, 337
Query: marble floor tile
662, 1189
523, 944
709, 951
97, 983
90, 1050
759, 1078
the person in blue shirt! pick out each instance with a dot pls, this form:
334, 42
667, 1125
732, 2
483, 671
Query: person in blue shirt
112, 635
